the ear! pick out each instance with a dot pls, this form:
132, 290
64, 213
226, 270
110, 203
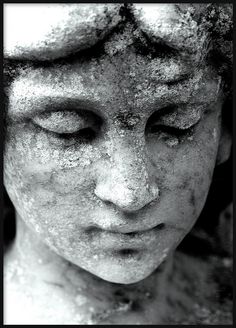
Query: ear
225, 145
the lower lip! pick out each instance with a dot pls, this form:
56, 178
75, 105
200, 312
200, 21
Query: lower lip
127, 241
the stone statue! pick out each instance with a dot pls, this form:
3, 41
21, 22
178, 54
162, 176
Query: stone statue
113, 129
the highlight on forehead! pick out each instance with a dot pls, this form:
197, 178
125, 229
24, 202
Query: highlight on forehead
48, 31
69, 28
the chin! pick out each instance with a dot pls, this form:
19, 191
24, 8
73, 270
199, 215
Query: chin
124, 277
124, 271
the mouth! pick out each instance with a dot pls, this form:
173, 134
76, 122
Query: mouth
118, 238
126, 231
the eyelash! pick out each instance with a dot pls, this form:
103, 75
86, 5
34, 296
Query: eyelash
86, 133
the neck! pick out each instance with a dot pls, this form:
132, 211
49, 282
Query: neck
107, 301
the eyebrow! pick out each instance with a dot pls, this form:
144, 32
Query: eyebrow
12, 68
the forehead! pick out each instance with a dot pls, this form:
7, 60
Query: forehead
49, 31
100, 87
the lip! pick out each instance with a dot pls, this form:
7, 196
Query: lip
123, 230
127, 231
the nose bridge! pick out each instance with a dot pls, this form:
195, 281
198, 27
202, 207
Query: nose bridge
130, 163
127, 180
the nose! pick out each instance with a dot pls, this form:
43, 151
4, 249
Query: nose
126, 181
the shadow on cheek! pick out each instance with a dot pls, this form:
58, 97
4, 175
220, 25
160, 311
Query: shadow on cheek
192, 201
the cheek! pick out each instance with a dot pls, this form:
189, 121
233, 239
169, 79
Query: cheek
184, 173
186, 191
50, 188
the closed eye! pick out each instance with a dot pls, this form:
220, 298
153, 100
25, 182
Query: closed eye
182, 118
173, 120
69, 126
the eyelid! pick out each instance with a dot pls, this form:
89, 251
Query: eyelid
183, 118
179, 125
63, 121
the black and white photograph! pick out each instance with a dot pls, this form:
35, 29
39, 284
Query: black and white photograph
117, 163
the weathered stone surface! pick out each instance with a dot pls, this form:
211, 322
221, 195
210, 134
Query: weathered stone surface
109, 156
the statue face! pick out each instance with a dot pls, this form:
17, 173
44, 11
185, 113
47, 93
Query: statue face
109, 158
